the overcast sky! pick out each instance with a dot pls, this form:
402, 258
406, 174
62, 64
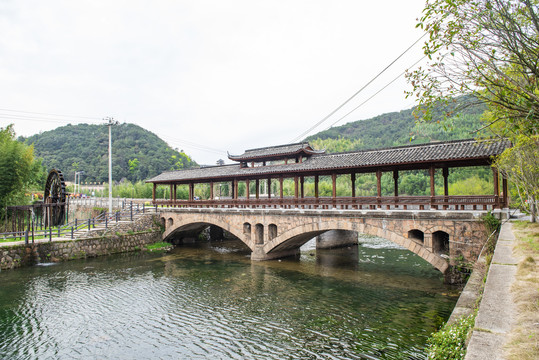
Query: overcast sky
227, 75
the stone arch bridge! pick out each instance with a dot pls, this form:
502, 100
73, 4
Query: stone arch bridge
439, 237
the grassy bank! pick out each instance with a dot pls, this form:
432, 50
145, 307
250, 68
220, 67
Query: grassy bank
524, 340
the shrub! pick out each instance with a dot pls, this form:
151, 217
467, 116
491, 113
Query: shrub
449, 343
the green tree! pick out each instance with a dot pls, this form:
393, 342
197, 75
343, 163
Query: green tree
18, 170
488, 49
520, 164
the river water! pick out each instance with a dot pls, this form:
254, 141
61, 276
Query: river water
209, 301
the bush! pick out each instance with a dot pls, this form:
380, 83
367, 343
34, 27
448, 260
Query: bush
449, 343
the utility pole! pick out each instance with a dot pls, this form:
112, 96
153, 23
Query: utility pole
109, 124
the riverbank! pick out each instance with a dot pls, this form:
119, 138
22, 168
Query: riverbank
122, 237
506, 326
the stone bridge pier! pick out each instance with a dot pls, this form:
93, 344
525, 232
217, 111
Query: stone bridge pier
439, 237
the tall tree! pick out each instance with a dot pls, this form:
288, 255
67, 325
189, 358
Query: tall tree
18, 170
490, 49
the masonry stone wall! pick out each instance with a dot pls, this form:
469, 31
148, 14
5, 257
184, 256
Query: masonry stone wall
123, 237
464, 231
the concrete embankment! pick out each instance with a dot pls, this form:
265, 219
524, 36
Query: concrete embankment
496, 311
122, 237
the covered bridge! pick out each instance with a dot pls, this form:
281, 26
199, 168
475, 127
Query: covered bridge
300, 161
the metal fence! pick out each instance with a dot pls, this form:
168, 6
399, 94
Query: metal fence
127, 212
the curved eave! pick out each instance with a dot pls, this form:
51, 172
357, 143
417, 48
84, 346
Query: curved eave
276, 156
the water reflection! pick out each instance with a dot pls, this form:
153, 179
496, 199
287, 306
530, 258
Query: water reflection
209, 300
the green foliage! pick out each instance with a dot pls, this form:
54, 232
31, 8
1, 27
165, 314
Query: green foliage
399, 128
471, 186
449, 343
520, 164
491, 222
157, 246
137, 154
333, 145
19, 171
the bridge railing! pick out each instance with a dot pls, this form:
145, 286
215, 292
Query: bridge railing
480, 202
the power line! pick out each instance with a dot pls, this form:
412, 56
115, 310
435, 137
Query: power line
376, 93
194, 145
37, 119
356, 93
59, 115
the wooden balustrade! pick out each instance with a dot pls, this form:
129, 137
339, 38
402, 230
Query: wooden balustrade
479, 202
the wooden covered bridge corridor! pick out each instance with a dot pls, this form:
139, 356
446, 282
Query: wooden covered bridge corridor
438, 228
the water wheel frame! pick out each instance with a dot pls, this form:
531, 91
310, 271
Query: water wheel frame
55, 198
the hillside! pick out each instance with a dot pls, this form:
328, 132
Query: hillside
396, 129
137, 154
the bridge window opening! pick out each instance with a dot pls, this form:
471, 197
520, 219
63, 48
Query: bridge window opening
242, 189
247, 230
223, 190
163, 222
325, 186
202, 191
263, 188
480, 176
288, 187
182, 192
259, 234
365, 184
308, 186
440, 243
344, 185
272, 231
170, 222
416, 235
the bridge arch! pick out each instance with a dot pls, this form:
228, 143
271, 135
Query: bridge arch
186, 223
297, 236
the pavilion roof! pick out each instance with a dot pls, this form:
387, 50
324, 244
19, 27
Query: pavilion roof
274, 152
451, 154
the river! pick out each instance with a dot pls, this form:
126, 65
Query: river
209, 301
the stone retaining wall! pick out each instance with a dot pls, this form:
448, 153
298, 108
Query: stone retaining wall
124, 237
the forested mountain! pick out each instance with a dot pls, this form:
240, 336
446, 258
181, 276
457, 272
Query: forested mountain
137, 154
398, 128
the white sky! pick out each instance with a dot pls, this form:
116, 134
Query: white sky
229, 75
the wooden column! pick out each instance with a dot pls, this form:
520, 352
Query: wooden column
281, 187
191, 191
334, 194
175, 197
257, 190
235, 184
247, 191
316, 179
504, 189
495, 176
154, 190
296, 187
269, 188
171, 193
211, 191
395, 188
353, 179
379, 188
302, 186
445, 173
432, 171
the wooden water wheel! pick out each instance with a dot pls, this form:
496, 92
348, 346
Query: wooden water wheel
55, 198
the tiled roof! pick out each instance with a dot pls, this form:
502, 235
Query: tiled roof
441, 152
275, 151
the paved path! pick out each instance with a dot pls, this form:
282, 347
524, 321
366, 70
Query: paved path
497, 311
